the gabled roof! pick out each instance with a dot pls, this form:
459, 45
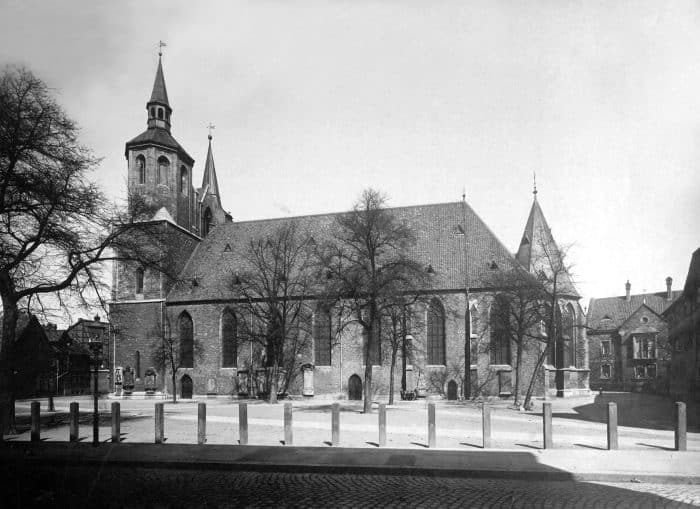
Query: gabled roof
619, 309
438, 244
160, 93
209, 181
536, 237
161, 137
692, 281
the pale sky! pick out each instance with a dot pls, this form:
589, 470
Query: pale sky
314, 101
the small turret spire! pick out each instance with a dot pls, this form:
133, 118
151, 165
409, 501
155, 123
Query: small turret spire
158, 106
210, 184
534, 184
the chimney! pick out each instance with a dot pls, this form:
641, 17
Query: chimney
669, 293
628, 287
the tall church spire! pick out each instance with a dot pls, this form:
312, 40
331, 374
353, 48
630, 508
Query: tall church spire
158, 106
210, 184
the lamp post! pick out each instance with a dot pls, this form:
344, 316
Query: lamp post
96, 350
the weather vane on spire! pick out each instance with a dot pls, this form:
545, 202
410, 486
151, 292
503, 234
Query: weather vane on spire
464, 193
210, 127
534, 183
161, 45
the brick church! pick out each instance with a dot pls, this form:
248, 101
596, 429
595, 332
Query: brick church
205, 244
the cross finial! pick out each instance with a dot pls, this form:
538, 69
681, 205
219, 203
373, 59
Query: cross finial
210, 127
534, 183
161, 45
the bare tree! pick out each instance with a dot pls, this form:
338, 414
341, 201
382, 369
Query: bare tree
172, 352
56, 226
517, 311
368, 266
273, 287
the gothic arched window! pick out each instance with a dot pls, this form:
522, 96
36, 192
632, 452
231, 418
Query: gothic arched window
141, 169
160, 113
229, 339
568, 336
436, 333
163, 167
500, 338
137, 362
322, 336
206, 222
186, 341
184, 181
139, 280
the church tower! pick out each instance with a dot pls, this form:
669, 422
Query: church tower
160, 170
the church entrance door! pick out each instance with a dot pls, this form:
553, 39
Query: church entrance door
186, 387
355, 388
452, 390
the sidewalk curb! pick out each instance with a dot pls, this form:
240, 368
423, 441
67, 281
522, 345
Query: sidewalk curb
311, 460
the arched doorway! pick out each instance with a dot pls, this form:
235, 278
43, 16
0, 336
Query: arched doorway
355, 388
186, 387
452, 390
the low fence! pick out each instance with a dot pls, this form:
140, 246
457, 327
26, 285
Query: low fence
680, 428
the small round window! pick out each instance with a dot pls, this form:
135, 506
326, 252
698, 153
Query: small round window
645, 319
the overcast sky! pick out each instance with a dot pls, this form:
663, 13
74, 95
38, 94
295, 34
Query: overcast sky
314, 101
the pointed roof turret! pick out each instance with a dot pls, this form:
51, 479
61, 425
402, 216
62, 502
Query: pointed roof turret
160, 92
210, 184
537, 244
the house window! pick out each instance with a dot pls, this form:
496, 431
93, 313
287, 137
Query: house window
605, 347
186, 341
639, 371
139, 281
605, 371
229, 339
500, 338
645, 370
163, 167
322, 337
436, 333
141, 169
644, 346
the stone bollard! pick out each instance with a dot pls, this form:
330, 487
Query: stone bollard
74, 415
201, 423
547, 425
36, 421
612, 426
382, 425
680, 435
160, 423
486, 425
288, 436
431, 425
243, 423
116, 424
335, 425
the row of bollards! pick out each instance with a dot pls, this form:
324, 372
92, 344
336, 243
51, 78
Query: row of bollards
680, 436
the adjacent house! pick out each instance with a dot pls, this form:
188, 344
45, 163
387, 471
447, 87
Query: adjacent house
628, 341
683, 325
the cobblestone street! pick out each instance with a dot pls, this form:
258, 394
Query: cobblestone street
147, 487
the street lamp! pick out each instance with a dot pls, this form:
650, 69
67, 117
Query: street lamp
96, 350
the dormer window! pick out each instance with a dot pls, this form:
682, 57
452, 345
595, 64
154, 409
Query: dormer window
153, 112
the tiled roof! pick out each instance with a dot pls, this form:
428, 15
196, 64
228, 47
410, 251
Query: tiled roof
158, 136
160, 93
618, 309
438, 244
537, 234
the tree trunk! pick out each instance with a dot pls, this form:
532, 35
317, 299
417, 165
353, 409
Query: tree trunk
403, 364
7, 385
531, 385
174, 372
391, 376
518, 370
371, 338
272, 397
